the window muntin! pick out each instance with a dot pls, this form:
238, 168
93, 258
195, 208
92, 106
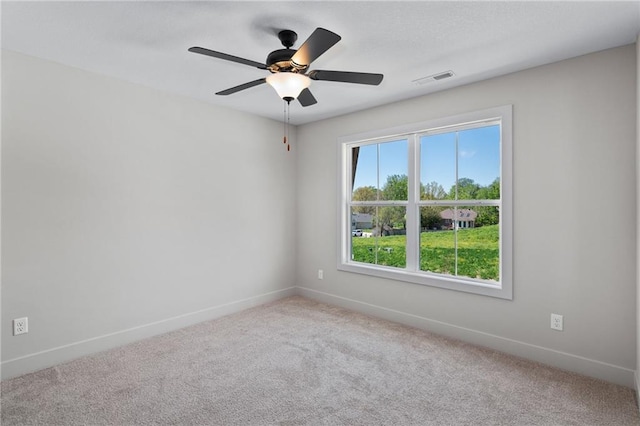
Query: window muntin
461, 164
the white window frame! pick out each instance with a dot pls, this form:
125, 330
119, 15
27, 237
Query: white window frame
412, 273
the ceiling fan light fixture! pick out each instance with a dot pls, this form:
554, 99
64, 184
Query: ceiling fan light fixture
289, 85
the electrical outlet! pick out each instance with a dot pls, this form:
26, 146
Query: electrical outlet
320, 274
20, 326
556, 322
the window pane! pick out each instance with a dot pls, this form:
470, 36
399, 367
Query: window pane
362, 245
479, 163
478, 246
364, 169
393, 170
437, 166
437, 243
391, 235
461, 245
382, 240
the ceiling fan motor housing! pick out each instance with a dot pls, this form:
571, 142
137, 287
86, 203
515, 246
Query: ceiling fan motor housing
280, 60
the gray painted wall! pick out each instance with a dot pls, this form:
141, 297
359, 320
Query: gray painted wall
127, 212
574, 155
637, 381
125, 215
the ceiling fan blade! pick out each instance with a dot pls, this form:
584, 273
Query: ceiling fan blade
306, 98
242, 87
318, 42
226, 57
347, 77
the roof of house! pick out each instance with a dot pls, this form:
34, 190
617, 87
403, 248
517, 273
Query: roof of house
461, 214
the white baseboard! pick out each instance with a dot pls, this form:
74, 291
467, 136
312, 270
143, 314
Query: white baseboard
50, 357
575, 363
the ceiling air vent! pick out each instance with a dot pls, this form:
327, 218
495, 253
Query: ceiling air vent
435, 77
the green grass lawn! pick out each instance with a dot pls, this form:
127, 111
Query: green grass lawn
478, 252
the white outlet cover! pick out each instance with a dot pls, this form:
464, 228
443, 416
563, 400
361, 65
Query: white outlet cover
20, 326
557, 322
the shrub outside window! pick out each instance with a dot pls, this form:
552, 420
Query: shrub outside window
430, 203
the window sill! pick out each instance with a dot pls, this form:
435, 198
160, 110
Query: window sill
485, 288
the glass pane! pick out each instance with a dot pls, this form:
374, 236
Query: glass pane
479, 163
391, 234
437, 242
364, 171
437, 166
478, 245
393, 170
363, 247
382, 240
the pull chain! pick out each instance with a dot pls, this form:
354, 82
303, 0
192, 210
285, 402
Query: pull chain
286, 117
288, 126
284, 123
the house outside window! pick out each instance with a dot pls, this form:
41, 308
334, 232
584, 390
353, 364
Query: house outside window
361, 221
460, 218
434, 199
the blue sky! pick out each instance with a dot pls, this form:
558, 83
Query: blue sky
478, 158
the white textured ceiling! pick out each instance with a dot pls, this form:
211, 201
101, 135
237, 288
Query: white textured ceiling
147, 42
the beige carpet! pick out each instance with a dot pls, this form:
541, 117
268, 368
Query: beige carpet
299, 362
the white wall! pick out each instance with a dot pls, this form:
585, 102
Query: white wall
638, 216
125, 210
125, 214
574, 217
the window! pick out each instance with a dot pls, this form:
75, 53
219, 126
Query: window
430, 203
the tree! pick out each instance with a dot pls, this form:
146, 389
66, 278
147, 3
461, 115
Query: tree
365, 193
432, 191
430, 217
396, 188
489, 215
490, 192
467, 190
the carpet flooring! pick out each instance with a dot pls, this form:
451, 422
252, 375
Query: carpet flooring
300, 362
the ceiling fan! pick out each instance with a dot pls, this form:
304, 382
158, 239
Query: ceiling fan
288, 67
